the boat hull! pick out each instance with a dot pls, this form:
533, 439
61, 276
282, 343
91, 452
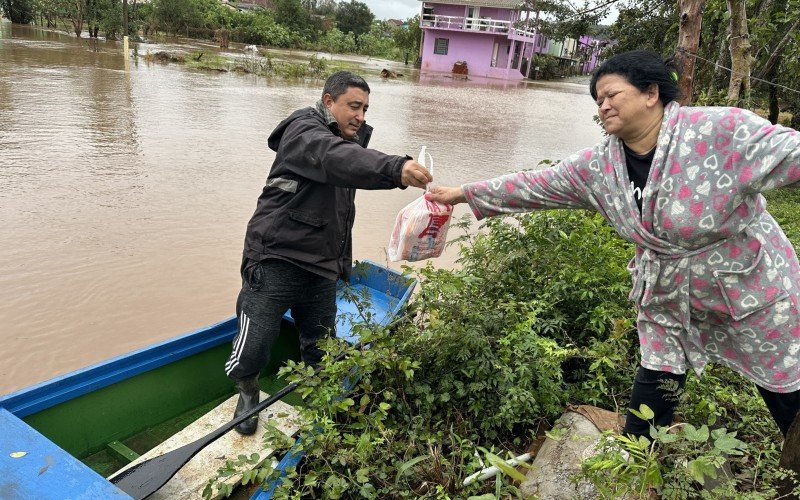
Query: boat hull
104, 416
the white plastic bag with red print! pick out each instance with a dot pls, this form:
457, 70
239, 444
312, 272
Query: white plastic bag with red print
420, 231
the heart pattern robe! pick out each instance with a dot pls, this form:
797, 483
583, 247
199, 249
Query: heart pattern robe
714, 276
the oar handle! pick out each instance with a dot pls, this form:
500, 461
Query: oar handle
145, 478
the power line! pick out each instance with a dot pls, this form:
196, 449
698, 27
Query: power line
587, 11
737, 72
597, 7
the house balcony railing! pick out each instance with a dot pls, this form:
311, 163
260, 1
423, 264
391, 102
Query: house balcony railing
463, 23
526, 35
493, 26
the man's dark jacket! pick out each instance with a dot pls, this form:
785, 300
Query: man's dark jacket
306, 211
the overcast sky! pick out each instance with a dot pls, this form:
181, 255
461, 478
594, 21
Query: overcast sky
394, 9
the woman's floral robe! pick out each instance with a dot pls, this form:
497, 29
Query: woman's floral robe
714, 276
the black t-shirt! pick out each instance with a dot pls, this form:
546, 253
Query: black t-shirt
638, 170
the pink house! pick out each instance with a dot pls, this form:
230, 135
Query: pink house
487, 35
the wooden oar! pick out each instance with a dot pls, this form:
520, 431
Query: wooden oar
144, 479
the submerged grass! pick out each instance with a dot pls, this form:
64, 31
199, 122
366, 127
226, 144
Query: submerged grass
260, 64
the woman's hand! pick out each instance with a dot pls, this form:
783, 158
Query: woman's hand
446, 195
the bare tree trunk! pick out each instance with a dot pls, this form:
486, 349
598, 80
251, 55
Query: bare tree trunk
723, 61
688, 41
77, 17
739, 87
774, 110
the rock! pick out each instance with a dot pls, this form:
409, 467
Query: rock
790, 458
557, 461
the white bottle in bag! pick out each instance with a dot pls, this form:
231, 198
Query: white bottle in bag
421, 161
420, 231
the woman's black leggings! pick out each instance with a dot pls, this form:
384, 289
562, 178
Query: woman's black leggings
653, 388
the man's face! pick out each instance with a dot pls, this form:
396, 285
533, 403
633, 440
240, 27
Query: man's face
348, 109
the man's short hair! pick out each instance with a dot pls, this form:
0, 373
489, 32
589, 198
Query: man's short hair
338, 83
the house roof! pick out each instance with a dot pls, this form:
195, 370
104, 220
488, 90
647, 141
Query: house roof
507, 4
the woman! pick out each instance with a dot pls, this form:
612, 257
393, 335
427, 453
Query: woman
714, 276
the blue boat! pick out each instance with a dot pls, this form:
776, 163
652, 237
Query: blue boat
62, 438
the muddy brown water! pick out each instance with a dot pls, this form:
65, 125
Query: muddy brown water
124, 193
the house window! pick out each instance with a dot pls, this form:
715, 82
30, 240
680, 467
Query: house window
440, 47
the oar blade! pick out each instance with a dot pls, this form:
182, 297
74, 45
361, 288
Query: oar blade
144, 479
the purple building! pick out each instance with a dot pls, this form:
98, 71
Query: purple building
488, 38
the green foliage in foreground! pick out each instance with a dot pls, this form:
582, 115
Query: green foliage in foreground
536, 318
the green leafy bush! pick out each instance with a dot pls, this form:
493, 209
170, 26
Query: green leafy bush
547, 64
336, 42
535, 317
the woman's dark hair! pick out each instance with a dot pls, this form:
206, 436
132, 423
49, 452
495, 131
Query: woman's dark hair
642, 68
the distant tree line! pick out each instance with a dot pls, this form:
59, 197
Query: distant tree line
327, 25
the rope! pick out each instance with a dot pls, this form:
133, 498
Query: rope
738, 72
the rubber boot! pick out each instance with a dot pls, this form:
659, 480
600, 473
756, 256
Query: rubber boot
249, 393
790, 457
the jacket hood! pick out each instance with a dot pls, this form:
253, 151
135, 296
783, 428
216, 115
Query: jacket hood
274, 140
277, 134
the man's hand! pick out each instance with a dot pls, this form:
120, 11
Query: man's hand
415, 175
446, 195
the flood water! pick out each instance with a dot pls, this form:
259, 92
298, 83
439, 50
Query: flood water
124, 194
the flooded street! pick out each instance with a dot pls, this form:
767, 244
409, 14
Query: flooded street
124, 194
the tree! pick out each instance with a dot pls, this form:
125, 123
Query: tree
110, 18
75, 11
292, 14
354, 17
408, 40
560, 19
740, 53
691, 22
46, 11
18, 11
648, 24
772, 32
775, 37
175, 16
325, 7
92, 17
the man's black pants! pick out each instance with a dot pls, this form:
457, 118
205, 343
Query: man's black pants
650, 388
269, 289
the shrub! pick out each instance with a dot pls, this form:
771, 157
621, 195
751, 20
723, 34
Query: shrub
535, 317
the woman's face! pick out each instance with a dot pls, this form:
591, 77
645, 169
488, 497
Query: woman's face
624, 110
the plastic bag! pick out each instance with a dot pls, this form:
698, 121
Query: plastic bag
420, 231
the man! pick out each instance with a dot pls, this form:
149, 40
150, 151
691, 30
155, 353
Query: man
298, 241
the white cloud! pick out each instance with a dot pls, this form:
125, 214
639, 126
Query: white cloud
394, 9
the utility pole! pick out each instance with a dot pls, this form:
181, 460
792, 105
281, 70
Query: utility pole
124, 17
125, 30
